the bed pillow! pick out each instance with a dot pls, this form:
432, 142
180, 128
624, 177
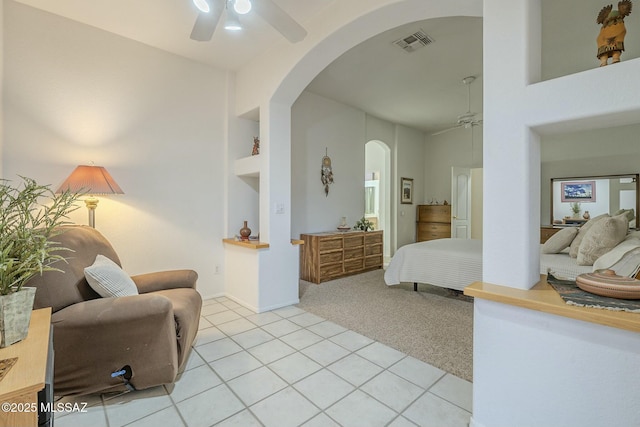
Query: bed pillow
559, 241
602, 237
630, 213
582, 231
108, 279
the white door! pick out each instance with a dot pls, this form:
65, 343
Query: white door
460, 203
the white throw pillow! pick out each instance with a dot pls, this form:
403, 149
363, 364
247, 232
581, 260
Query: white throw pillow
559, 241
624, 259
108, 279
602, 237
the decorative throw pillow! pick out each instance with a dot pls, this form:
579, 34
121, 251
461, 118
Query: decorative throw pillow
630, 213
582, 231
108, 279
559, 241
601, 238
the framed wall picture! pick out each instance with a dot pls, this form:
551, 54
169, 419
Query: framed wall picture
406, 190
579, 191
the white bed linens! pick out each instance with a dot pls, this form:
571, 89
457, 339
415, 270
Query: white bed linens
450, 263
456, 263
562, 266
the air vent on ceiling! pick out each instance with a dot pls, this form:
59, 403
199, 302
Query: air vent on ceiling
414, 41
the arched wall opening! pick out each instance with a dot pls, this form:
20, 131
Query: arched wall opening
377, 161
298, 72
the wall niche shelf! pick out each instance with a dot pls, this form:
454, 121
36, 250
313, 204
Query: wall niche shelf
248, 167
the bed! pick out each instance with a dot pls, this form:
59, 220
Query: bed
456, 263
449, 263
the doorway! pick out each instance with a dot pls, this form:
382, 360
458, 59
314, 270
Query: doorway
377, 190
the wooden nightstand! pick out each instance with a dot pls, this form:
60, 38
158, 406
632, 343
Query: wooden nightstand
19, 388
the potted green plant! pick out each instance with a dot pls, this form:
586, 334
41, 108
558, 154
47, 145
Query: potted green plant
30, 216
363, 224
575, 208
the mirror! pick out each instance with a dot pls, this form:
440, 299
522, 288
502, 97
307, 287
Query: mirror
576, 199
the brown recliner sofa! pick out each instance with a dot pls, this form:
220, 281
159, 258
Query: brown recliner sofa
93, 336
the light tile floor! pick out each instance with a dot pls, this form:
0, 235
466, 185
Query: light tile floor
285, 368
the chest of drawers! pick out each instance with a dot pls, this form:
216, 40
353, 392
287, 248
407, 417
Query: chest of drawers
433, 222
327, 256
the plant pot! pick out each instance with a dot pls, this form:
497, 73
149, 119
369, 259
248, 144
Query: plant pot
15, 315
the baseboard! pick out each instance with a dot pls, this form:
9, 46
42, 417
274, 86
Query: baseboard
208, 297
261, 309
277, 306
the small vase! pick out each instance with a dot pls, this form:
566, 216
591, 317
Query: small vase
245, 232
586, 215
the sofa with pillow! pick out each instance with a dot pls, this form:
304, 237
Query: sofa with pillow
603, 242
104, 320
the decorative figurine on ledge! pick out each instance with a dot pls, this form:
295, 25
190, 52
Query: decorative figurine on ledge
256, 146
611, 37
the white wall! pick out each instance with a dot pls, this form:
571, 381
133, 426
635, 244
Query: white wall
408, 164
319, 123
536, 369
453, 148
75, 94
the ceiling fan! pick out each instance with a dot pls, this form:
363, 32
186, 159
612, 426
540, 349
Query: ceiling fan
468, 119
210, 12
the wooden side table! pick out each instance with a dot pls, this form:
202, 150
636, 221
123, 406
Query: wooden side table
20, 386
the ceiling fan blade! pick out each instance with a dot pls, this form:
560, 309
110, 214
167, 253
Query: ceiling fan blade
280, 20
447, 130
206, 23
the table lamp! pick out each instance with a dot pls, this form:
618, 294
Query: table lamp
92, 180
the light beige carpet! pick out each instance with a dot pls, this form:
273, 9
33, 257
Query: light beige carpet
434, 324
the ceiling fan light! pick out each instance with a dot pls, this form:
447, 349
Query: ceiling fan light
242, 6
232, 23
202, 5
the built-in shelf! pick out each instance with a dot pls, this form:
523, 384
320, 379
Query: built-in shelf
248, 167
255, 244
250, 244
542, 297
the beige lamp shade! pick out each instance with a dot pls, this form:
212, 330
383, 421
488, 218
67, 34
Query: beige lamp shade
91, 180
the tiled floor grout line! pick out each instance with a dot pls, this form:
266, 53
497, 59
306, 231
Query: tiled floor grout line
289, 314
299, 350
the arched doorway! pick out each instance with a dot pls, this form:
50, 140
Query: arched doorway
377, 186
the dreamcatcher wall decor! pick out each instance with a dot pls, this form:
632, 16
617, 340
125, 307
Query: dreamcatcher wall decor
326, 173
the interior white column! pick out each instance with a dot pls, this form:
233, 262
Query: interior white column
279, 265
511, 152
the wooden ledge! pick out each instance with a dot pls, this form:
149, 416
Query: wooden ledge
542, 297
255, 244
249, 244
